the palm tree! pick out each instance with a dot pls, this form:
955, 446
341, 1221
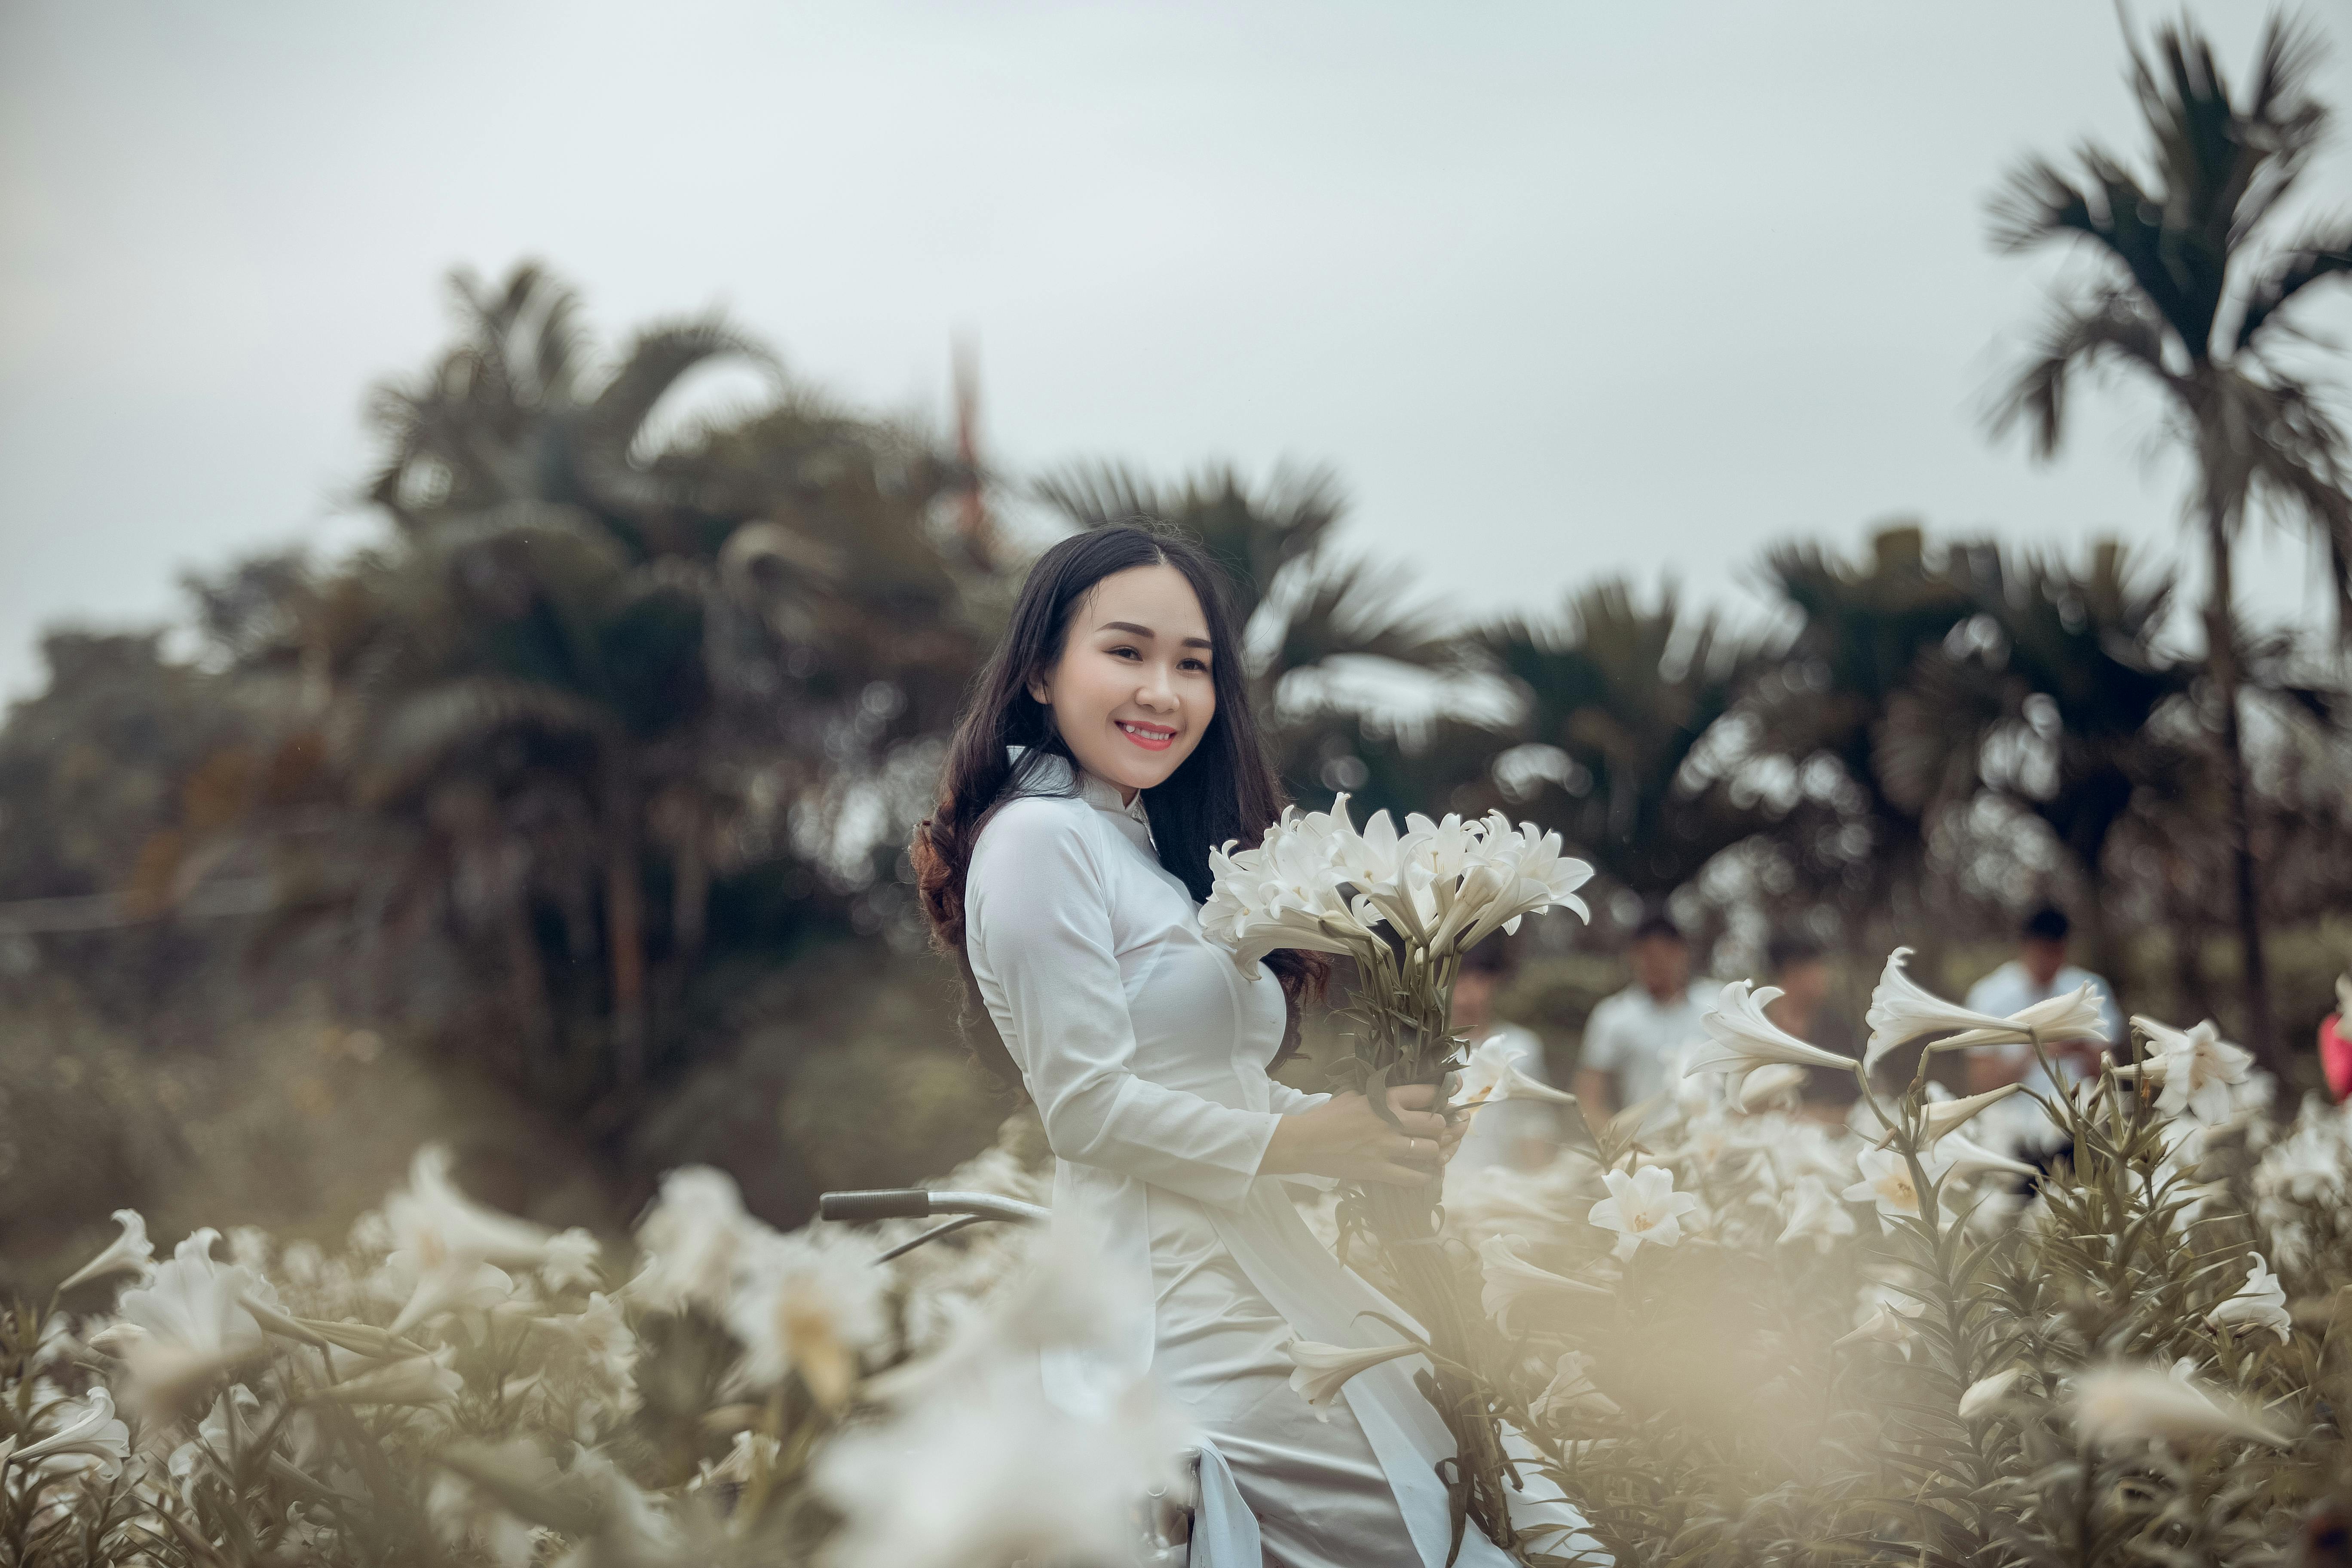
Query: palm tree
2193, 300
1617, 699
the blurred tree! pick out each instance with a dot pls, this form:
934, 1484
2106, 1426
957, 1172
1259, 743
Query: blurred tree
1613, 701
2193, 302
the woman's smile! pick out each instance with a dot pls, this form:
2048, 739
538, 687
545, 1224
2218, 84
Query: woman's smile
1150, 736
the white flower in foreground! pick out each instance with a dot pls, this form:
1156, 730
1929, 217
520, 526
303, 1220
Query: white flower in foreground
1571, 1391
694, 1237
1963, 1157
187, 1322
809, 1303
2197, 1068
1901, 1010
85, 1429
2118, 1407
129, 1251
1491, 1074
1886, 1181
1816, 1214
957, 1482
1642, 1207
1741, 1038
1511, 1280
450, 1237
1320, 1371
1987, 1392
2259, 1303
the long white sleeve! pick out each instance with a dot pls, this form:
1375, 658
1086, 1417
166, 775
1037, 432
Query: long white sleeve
1038, 932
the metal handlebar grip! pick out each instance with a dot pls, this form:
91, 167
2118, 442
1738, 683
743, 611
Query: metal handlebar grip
889, 1202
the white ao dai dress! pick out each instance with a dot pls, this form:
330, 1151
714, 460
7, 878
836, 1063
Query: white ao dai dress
1146, 1048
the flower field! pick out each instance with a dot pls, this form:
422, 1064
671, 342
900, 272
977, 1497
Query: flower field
1734, 1335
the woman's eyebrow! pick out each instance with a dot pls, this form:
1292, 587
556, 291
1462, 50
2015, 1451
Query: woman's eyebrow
1130, 626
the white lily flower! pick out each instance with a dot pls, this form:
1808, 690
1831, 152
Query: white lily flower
1511, 1280
188, 1322
1571, 1391
447, 1238
1642, 1207
1901, 1010
129, 1251
1742, 1039
2259, 1303
1815, 1214
86, 1429
423, 1380
1964, 1157
1774, 1081
1885, 1318
810, 1303
1941, 1116
1320, 1371
1987, 1392
694, 1236
1887, 1182
1491, 1074
2196, 1067
2121, 1406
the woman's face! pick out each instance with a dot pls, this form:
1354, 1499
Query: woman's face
1131, 693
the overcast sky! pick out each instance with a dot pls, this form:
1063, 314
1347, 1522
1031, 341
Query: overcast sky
1559, 288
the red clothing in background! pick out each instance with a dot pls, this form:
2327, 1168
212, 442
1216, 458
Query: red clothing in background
2335, 1056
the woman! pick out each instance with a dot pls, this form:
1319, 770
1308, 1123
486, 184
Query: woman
1108, 745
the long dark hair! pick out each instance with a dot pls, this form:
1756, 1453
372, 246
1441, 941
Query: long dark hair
1224, 790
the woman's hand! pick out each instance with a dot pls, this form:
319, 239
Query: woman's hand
1345, 1138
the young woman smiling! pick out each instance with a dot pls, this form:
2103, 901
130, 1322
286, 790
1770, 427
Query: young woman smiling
1108, 746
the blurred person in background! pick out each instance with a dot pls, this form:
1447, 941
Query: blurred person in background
1800, 966
1521, 1134
2039, 972
1633, 1039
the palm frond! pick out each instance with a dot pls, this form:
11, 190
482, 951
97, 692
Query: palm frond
2113, 325
428, 727
2325, 252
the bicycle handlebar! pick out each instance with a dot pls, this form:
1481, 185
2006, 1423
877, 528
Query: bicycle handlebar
922, 1202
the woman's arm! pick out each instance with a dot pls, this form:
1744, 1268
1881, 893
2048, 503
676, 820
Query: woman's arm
1038, 933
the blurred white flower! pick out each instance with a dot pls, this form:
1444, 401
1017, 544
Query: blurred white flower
962, 1481
426, 1380
188, 1322
2259, 1303
1511, 1280
2197, 1068
1815, 1214
694, 1237
1987, 1392
1741, 1038
2119, 1407
467, 1515
1491, 1074
128, 1252
449, 1237
1901, 1010
809, 1303
1571, 1391
1642, 1207
1320, 1371
1963, 1157
595, 1346
1780, 1082
86, 1434
1884, 1318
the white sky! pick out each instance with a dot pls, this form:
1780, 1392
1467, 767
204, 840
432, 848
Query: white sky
1559, 288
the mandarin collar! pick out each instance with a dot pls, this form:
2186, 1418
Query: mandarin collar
1129, 816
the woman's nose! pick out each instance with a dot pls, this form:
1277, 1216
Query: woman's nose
1155, 692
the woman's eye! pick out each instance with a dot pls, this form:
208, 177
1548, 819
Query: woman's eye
1198, 666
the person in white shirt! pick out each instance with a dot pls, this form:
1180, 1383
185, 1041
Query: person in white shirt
1519, 1134
1634, 1041
2040, 970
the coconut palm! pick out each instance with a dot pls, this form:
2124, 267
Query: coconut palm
2194, 297
1614, 700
